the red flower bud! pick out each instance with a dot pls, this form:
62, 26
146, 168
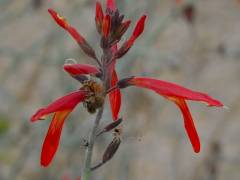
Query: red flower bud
106, 26
99, 16
139, 27
138, 30
74, 33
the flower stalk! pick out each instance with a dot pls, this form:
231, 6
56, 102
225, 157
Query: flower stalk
86, 172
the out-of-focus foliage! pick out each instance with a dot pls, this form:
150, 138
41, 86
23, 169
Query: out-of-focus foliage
203, 55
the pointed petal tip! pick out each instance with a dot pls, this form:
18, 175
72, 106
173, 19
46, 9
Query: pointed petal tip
58, 19
140, 26
197, 150
38, 115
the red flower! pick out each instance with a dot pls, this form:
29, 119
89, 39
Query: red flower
74, 33
178, 95
99, 81
61, 109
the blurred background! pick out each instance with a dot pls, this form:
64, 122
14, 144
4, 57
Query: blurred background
195, 43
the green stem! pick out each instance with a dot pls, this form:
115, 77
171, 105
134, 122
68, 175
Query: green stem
87, 165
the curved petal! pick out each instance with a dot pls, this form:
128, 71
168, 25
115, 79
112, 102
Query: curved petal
52, 139
115, 97
178, 95
64, 103
173, 90
79, 69
189, 124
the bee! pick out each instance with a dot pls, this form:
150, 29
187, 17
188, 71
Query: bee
96, 95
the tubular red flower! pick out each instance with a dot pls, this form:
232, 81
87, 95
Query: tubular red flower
79, 69
61, 109
111, 4
115, 97
74, 33
178, 95
64, 24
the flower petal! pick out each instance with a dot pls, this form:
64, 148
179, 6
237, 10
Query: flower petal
115, 97
189, 124
64, 103
173, 90
52, 139
178, 95
79, 69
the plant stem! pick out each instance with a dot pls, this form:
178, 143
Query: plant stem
88, 157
